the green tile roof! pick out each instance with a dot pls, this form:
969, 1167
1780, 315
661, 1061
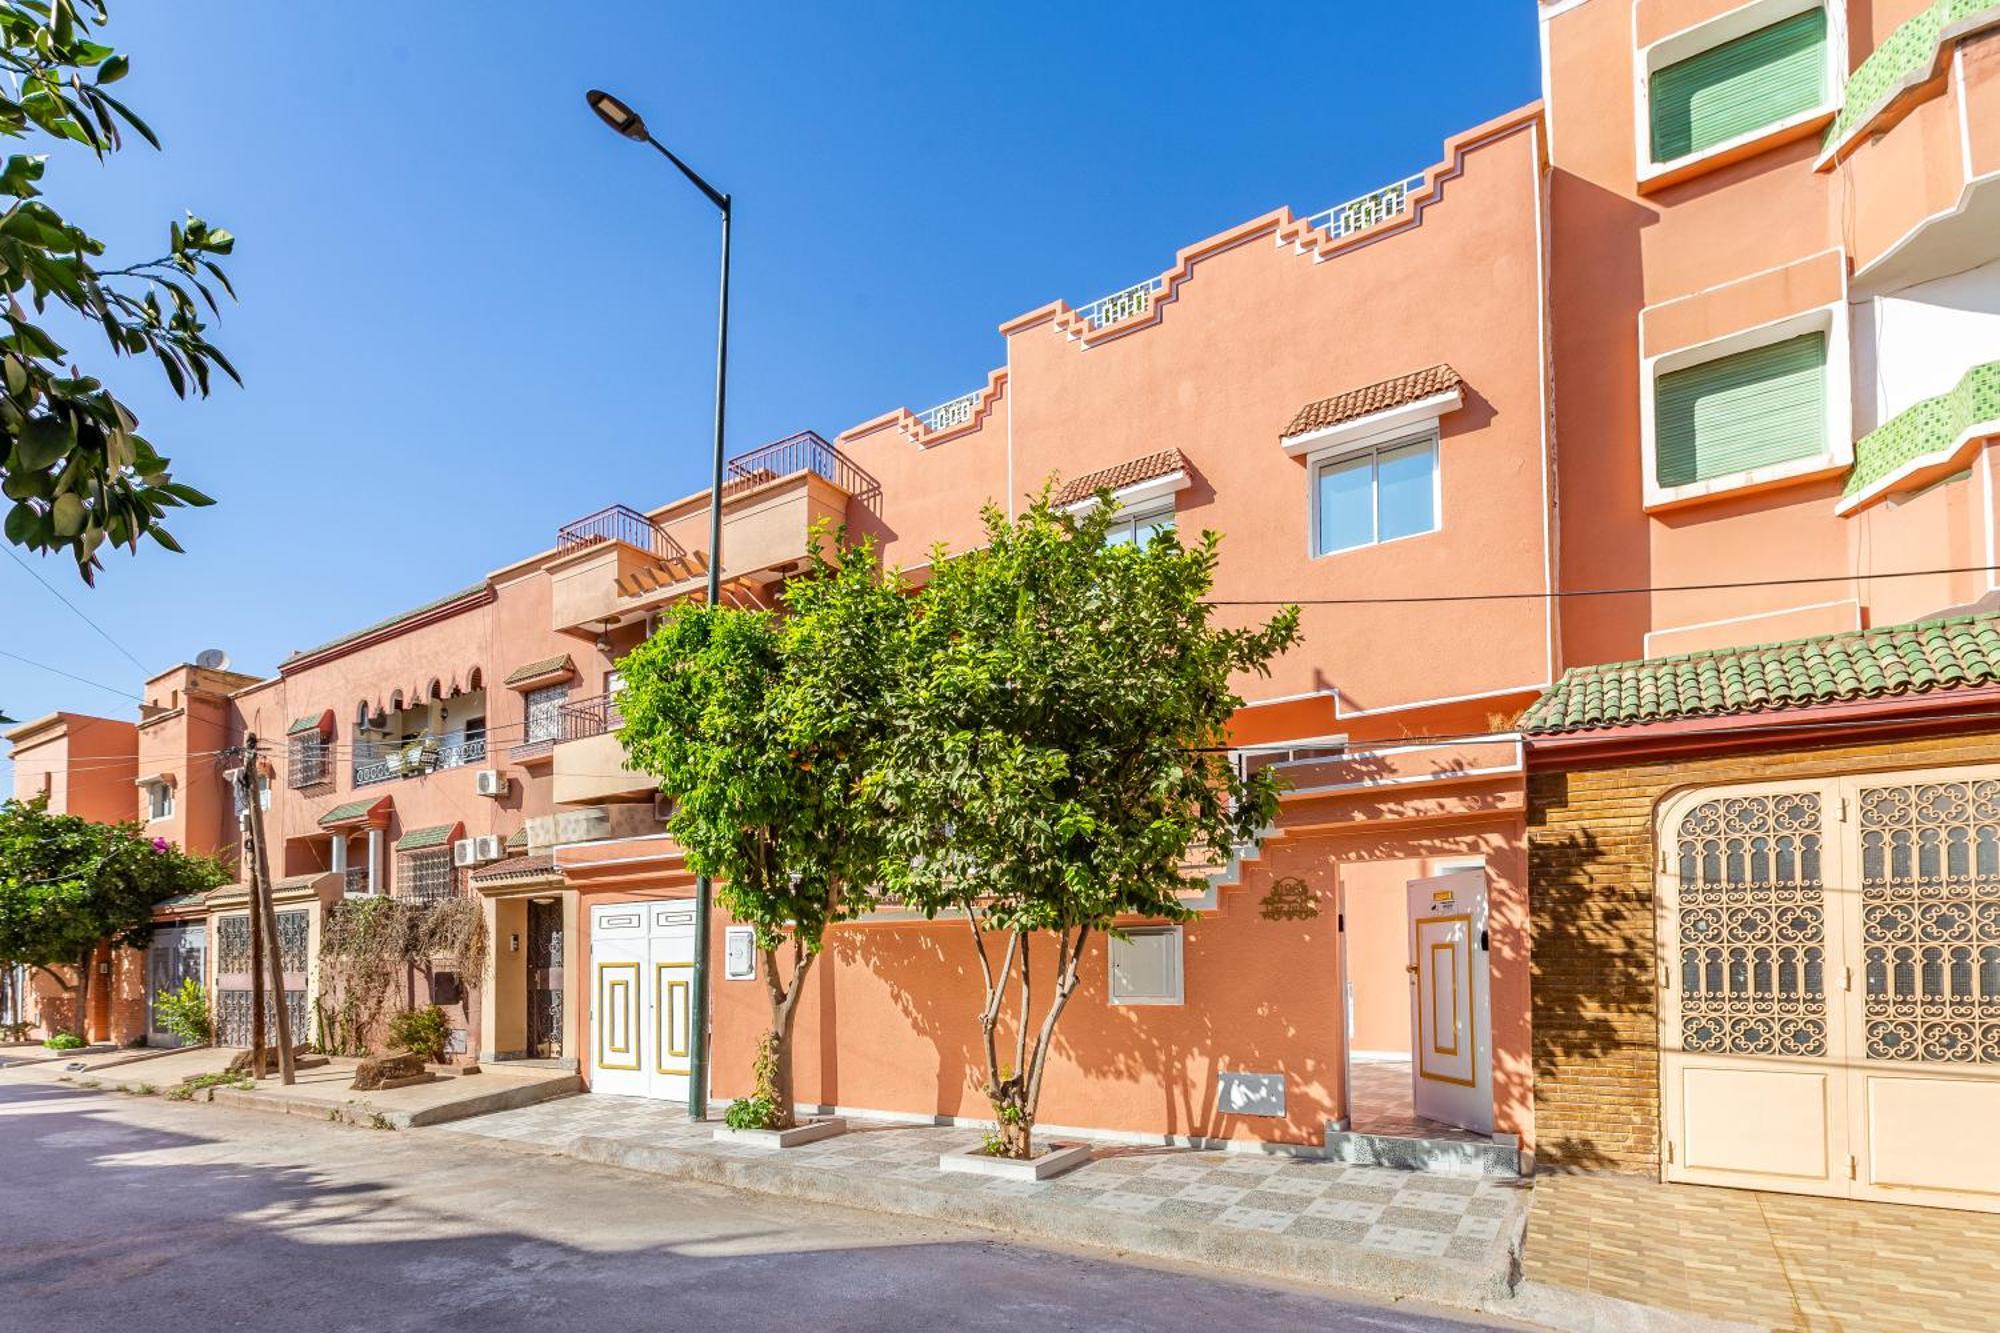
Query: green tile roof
1929, 431
546, 667
1831, 668
347, 810
517, 839
1907, 57
304, 724
418, 839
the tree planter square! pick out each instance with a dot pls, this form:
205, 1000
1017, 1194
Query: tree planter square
812, 1131
1052, 1161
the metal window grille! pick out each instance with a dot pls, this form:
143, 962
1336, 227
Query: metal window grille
426, 877
545, 713
309, 763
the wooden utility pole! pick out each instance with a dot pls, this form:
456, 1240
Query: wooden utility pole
264, 917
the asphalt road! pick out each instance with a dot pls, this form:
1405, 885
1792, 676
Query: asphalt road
125, 1212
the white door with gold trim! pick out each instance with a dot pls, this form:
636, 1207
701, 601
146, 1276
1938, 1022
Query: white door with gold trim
642, 969
1451, 1045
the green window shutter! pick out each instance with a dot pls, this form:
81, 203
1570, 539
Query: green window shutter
1756, 80
1735, 413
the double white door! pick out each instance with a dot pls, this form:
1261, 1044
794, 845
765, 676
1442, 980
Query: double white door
642, 989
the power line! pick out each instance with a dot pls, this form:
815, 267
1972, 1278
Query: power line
81, 680
1558, 593
53, 592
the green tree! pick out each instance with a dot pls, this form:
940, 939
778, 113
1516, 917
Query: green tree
762, 726
71, 458
1059, 758
68, 884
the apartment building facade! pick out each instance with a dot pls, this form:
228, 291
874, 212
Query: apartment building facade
1698, 353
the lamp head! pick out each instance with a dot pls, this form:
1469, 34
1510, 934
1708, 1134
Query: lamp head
617, 115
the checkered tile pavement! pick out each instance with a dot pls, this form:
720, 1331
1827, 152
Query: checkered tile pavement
1398, 1212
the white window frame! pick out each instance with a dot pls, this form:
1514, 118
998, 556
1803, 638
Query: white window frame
1319, 462
1176, 995
1831, 320
1706, 36
159, 800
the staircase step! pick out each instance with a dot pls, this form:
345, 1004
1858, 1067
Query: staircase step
1438, 1156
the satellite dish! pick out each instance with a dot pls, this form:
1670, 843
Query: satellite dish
212, 659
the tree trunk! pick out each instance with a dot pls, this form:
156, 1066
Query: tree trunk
784, 1010
1017, 1138
80, 1020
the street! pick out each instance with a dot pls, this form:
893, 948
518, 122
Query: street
123, 1208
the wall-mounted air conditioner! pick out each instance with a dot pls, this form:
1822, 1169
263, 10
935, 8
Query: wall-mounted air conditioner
465, 852
491, 782
490, 847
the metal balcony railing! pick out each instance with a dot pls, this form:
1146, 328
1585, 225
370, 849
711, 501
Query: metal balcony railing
584, 718
957, 412
1120, 306
386, 761
806, 451
619, 523
1371, 208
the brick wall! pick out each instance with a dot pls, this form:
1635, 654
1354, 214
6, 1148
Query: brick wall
1590, 882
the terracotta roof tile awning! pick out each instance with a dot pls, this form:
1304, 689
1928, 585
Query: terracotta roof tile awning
1896, 660
517, 840
559, 665
423, 839
321, 722
355, 812
519, 869
1150, 468
1370, 399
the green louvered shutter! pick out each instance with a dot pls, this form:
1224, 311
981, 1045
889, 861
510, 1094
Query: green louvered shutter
1750, 410
1758, 79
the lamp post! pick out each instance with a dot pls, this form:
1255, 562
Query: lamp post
628, 122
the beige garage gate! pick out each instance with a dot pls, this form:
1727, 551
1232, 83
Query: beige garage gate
1830, 986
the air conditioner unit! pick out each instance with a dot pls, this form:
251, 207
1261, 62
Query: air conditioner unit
465, 852
491, 782
490, 847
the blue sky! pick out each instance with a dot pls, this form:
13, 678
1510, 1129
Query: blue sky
469, 312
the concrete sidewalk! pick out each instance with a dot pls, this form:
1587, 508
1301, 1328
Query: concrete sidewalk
325, 1092
1449, 1240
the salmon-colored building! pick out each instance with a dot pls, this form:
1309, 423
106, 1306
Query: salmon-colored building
1701, 351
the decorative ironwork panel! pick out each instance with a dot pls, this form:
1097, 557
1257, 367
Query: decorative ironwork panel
545, 1023
426, 877
545, 713
310, 761
294, 929
232, 945
1752, 925
232, 1017
1930, 921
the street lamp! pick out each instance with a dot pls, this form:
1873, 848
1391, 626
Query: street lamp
629, 123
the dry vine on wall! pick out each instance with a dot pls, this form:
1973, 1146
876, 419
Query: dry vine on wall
369, 946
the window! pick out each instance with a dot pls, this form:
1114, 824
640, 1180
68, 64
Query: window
263, 794
1375, 496
1739, 86
426, 877
309, 763
1139, 526
159, 801
1740, 412
1146, 966
544, 713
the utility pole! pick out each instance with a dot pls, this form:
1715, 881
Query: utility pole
264, 915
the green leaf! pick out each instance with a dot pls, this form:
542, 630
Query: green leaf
166, 539
69, 515
114, 69
21, 521
43, 442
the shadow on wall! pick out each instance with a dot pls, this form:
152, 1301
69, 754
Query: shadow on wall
1595, 1008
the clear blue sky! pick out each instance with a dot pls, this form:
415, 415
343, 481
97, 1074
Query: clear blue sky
469, 312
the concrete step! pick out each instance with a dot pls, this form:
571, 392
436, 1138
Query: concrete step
1439, 1156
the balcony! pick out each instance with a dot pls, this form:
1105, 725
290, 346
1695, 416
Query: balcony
589, 761
387, 761
617, 565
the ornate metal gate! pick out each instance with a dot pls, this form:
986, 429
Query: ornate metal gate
174, 957
545, 980
232, 974
1830, 986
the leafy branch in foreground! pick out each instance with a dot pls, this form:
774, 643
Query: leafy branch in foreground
71, 459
